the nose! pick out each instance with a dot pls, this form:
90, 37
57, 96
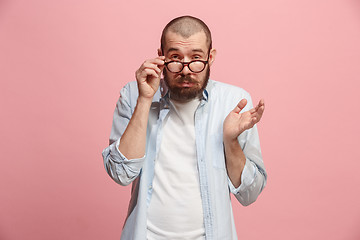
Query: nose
186, 70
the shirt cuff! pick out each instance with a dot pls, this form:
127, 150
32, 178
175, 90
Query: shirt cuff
248, 176
134, 164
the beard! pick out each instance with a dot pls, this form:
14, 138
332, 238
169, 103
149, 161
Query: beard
186, 93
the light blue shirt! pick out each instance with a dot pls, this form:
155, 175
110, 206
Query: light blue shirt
215, 186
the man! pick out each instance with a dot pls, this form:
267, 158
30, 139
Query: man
184, 142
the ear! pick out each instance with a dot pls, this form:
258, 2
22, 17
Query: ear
212, 56
160, 52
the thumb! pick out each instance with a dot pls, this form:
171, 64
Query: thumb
240, 105
162, 66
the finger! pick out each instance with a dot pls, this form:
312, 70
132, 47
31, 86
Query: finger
161, 64
258, 114
152, 66
257, 110
254, 120
161, 57
158, 61
261, 109
240, 105
260, 104
149, 72
162, 67
155, 61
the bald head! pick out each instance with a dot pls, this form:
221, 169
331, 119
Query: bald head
186, 26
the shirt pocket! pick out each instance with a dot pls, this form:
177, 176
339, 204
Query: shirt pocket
217, 150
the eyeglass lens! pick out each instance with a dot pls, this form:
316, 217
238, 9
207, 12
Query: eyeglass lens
195, 66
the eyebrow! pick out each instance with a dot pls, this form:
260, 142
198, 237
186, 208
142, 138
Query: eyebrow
173, 49
198, 50
194, 50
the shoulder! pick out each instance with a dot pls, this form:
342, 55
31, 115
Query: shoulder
129, 88
221, 90
129, 94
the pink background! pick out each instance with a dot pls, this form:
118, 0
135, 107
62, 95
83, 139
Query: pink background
63, 63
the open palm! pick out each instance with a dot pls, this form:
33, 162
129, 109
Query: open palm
236, 123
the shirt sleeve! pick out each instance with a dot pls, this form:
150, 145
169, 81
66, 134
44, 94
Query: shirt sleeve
254, 176
252, 183
119, 168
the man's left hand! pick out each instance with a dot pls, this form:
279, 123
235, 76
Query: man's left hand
236, 123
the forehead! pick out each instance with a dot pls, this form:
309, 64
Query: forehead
194, 42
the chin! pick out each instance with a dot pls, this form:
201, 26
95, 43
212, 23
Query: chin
186, 93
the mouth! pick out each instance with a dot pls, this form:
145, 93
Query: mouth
186, 84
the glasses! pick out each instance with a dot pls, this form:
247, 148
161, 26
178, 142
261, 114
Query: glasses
195, 66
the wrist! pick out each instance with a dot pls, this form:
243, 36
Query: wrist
230, 141
144, 100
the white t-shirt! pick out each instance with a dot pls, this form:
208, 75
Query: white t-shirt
175, 210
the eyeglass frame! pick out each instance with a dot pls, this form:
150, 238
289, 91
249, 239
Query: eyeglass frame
187, 64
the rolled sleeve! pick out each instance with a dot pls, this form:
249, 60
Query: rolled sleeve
252, 183
121, 169
247, 178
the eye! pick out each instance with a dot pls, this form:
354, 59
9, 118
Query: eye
197, 57
175, 56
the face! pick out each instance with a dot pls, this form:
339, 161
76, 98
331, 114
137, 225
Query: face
187, 85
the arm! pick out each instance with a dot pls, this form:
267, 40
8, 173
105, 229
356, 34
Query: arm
244, 165
124, 158
133, 141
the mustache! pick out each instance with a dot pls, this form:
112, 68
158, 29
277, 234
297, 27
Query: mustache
186, 78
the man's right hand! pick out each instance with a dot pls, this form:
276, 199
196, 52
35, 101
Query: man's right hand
133, 141
148, 76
